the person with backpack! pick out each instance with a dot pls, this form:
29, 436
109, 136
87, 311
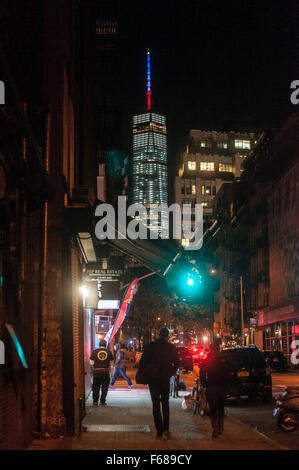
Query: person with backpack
159, 362
214, 377
119, 366
100, 361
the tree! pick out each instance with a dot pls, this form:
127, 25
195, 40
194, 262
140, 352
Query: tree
151, 310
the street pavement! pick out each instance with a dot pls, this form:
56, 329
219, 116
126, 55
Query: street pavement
260, 415
126, 423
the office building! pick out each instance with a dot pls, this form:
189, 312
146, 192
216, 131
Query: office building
210, 158
149, 179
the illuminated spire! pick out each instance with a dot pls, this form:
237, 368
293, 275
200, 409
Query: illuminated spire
149, 91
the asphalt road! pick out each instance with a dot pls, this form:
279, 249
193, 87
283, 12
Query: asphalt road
260, 415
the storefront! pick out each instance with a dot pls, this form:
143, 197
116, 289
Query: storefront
280, 328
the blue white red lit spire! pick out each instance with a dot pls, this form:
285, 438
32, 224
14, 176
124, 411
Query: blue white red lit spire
149, 91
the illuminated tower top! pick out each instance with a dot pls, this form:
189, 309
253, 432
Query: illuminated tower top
149, 91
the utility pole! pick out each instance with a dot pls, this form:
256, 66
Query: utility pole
240, 277
242, 311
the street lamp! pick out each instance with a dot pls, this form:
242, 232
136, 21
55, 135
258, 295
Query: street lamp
240, 277
84, 292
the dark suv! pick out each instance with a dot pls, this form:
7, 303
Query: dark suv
276, 360
249, 373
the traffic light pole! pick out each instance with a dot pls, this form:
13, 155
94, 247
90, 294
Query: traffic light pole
242, 311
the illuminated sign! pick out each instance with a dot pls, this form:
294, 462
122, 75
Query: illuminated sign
17, 344
108, 304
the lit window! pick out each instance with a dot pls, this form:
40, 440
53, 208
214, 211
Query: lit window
223, 167
242, 144
193, 189
202, 190
207, 166
202, 144
191, 165
222, 145
204, 204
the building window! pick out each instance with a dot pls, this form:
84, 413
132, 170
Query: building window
202, 144
202, 190
193, 189
214, 190
242, 144
207, 166
106, 26
224, 167
222, 145
208, 190
204, 204
191, 165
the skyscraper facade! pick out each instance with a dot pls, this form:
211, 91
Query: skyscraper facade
150, 162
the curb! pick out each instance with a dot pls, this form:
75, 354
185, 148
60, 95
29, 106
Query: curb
266, 438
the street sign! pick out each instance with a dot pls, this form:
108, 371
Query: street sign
107, 270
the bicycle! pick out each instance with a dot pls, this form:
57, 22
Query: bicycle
200, 402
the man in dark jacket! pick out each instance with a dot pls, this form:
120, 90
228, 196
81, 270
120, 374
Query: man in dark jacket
119, 366
100, 360
164, 360
214, 376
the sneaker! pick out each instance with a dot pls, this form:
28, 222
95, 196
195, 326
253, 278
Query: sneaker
95, 405
214, 434
130, 387
167, 434
159, 436
104, 404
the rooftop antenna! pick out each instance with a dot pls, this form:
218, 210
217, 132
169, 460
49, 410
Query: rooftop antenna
149, 91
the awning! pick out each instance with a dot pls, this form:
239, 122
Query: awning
155, 254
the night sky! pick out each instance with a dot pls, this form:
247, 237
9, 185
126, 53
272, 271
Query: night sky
215, 65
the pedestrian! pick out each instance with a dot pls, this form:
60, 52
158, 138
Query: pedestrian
162, 358
214, 378
119, 366
100, 361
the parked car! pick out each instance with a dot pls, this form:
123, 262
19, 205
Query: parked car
199, 354
249, 373
185, 358
276, 360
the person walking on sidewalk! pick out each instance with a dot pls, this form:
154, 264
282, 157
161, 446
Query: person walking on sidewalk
100, 361
119, 366
214, 378
159, 362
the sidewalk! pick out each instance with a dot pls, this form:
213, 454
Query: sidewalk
126, 423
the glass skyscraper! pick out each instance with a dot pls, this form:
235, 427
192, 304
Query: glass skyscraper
150, 162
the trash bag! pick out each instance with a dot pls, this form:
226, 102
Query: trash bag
184, 404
